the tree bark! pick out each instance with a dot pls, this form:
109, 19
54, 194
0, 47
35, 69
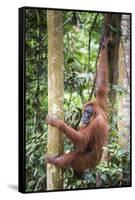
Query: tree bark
55, 94
124, 80
114, 27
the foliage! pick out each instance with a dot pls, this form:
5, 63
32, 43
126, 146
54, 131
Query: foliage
81, 42
36, 99
35, 166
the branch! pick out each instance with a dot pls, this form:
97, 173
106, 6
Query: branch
90, 32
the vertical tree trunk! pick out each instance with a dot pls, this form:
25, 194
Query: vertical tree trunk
114, 26
124, 80
37, 69
55, 94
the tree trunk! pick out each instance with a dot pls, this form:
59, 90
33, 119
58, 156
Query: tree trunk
124, 80
55, 94
114, 23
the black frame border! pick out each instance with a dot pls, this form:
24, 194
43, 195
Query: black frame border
22, 102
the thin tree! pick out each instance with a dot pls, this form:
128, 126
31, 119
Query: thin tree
55, 94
